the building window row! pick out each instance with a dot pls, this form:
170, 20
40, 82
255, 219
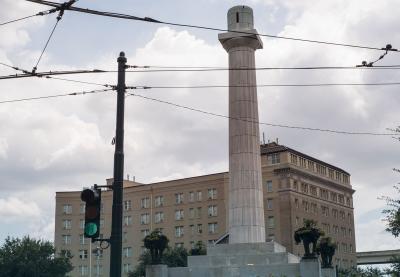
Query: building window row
320, 169
196, 229
323, 193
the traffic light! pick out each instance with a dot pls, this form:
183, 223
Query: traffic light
92, 199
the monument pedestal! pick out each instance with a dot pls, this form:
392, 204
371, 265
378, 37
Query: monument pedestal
241, 259
158, 270
310, 267
328, 272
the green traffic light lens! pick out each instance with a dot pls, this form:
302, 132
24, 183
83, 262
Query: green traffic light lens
90, 229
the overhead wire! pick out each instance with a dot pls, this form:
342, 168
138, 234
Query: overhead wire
266, 85
61, 10
152, 20
29, 16
54, 96
258, 122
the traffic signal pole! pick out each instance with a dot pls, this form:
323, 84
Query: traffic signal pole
117, 187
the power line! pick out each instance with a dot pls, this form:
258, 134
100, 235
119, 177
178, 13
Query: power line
261, 123
184, 69
266, 85
54, 96
61, 9
29, 16
79, 81
151, 20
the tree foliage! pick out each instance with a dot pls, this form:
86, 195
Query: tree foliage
34, 258
198, 249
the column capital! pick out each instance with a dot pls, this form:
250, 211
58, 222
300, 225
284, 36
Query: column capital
235, 39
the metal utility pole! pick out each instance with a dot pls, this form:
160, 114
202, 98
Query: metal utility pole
116, 227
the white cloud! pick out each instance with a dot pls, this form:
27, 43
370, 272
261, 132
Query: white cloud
14, 209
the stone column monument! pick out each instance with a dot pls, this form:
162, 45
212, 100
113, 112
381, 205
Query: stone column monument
246, 208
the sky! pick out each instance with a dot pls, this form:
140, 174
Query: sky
64, 144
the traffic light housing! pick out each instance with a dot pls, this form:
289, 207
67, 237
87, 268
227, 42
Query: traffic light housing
92, 199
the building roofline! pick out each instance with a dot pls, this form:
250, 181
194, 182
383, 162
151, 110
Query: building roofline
276, 148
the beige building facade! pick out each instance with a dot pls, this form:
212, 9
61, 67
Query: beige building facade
295, 187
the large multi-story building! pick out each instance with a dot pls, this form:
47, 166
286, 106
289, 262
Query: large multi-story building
295, 187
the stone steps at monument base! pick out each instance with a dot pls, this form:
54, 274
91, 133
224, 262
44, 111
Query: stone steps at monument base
287, 270
242, 259
248, 248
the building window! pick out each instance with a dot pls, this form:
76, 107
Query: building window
335, 213
311, 165
83, 270
67, 209
273, 158
127, 205
302, 162
304, 188
67, 224
98, 269
192, 229
159, 201
66, 239
82, 224
351, 248
82, 208
296, 203
325, 211
338, 176
144, 219
270, 204
145, 232
199, 228
324, 194
341, 199
212, 194
191, 196
127, 252
145, 203
199, 196
178, 231
65, 253
198, 212
314, 208
297, 220
342, 214
295, 186
313, 191
126, 268
306, 206
345, 179
212, 228
159, 217
268, 184
179, 245
331, 173
191, 213
127, 220
350, 233
293, 159
178, 198
101, 223
83, 254
125, 236
212, 210
179, 215
343, 230
81, 239
271, 222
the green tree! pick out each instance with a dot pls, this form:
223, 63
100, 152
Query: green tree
28, 257
198, 249
175, 257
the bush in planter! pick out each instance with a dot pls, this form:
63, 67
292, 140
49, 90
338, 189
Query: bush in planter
309, 234
326, 248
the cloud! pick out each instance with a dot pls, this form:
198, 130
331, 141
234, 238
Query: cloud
13, 209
